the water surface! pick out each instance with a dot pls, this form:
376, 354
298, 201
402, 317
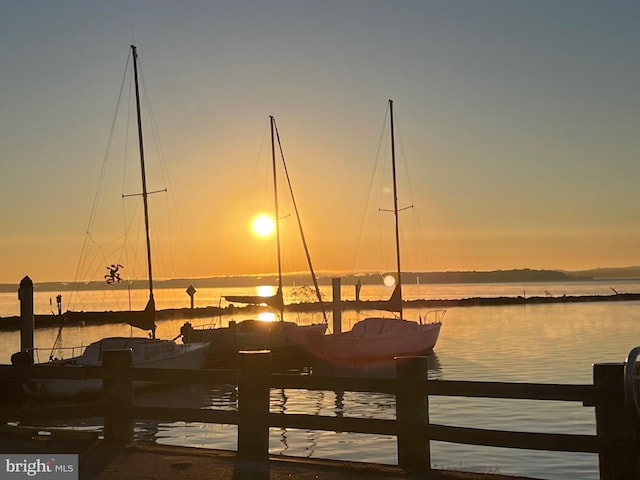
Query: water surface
550, 343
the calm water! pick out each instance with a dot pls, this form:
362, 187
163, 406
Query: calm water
119, 298
555, 343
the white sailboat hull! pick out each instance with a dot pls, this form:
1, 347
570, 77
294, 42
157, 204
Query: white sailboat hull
375, 341
146, 353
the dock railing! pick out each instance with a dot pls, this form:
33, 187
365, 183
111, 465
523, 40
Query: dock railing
616, 440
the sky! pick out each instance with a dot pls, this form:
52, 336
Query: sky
517, 127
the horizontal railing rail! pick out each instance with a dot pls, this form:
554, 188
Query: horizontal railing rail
175, 376
451, 388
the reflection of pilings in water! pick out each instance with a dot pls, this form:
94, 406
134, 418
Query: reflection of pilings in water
279, 402
221, 396
313, 434
146, 430
434, 366
339, 403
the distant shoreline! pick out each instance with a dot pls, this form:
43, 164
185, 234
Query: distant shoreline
13, 323
292, 279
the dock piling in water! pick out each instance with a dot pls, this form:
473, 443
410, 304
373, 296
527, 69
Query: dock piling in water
337, 305
25, 295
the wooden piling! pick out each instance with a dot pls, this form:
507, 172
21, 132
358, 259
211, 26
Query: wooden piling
25, 295
337, 305
412, 414
253, 405
616, 425
118, 395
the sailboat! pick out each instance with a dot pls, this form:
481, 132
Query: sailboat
285, 339
147, 352
374, 342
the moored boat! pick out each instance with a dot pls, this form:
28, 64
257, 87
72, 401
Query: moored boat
376, 341
285, 339
146, 352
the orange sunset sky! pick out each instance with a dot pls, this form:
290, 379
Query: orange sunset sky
517, 134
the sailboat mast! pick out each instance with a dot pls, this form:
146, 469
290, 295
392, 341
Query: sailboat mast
145, 194
395, 205
272, 122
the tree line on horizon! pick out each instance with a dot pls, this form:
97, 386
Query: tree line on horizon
296, 279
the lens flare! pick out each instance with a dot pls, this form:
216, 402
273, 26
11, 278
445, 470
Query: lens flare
389, 280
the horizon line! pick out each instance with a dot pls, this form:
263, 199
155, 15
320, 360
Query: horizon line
330, 273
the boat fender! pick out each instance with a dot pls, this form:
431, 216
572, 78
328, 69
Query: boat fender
21, 358
185, 331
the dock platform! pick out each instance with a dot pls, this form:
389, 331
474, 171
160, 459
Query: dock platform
101, 460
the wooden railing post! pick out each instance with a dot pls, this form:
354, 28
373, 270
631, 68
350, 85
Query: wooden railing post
412, 414
253, 405
336, 287
118, 395
619, 447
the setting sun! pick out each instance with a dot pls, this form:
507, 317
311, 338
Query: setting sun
263, 225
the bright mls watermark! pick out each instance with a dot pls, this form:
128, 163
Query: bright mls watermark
46, 466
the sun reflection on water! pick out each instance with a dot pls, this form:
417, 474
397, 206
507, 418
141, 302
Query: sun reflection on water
266, 290
267, 317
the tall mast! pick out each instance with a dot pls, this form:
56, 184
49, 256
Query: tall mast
395, 205
272, 122
134, 52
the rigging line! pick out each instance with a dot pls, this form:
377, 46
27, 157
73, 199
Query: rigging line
272, 121
256, 167
405, 164
131, 246
172, 263
92, 270
166, 177
128, 216
123, 203
133, 238
266, 187
383, 131
102, 250
94, 207
164, 169
411, 190
182, 232
304, 241
130, 114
